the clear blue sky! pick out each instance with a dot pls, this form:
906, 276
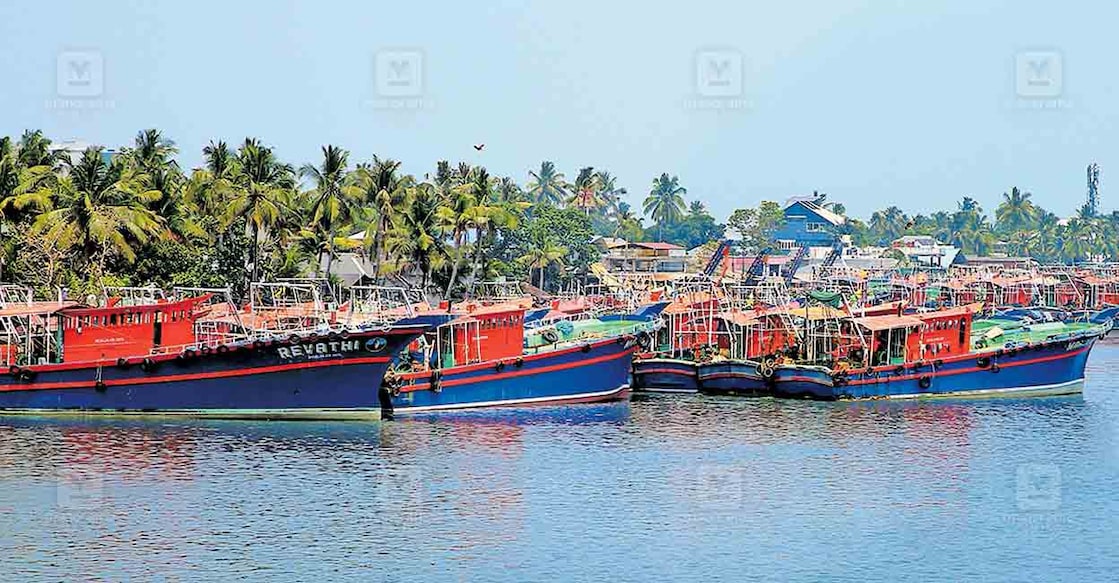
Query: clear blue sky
874, 102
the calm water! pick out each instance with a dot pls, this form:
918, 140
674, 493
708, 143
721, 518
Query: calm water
680, 488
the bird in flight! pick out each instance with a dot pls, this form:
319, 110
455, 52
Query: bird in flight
479, 147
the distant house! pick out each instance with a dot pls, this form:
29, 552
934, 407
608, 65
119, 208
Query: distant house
643, 257
73, 149
808, 224
927, 251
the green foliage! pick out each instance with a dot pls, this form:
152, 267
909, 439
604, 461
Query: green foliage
665, 203
81, 222
541, 235
756, 226
694, 229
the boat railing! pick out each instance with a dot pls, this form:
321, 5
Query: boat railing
127, 296
377, 306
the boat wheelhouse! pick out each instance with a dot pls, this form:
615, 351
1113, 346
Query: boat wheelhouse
486, 357
184, 357
945, 353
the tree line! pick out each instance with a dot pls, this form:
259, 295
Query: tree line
136, 217
79, 222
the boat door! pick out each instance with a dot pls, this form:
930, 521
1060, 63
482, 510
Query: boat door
157, 330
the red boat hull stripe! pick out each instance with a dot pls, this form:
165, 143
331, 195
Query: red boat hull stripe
197, 376
971, 369
507, 375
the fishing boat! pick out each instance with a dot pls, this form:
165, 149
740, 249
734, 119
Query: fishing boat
196, 356
752, 338
942, 353
486, 357
667, 362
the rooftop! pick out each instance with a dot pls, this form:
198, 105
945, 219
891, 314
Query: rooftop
824, 213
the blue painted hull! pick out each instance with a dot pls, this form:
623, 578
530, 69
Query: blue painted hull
665, 375
732, 377
1049, 368
595, 372
317, 378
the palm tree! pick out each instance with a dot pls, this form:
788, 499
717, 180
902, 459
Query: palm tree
211, 187
665, 203
888, 224
972, 233
1076, 240
34, 150
260, 186
542, 255
492, 214
381, 187
459, 214
482, 190
98, 210
417, 232
152, 150
1016, 211
331, 199
610, 194
507, 190
586, 190
941, 226
628, 224
547, 186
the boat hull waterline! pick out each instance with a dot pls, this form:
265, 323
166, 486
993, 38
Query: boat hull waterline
733, 377
1049, 368
591, 373
296, 378
665, 375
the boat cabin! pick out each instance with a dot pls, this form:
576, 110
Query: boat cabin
898, 339
753, 335
483, 334
122, 331
53, 332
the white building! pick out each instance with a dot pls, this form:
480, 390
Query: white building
925, 250
74, 149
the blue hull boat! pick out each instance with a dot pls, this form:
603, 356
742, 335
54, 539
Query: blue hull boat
665, 375
733, 377
1050, 367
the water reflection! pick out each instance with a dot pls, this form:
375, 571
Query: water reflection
689, 486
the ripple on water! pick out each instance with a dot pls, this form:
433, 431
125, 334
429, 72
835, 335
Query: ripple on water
663, 487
